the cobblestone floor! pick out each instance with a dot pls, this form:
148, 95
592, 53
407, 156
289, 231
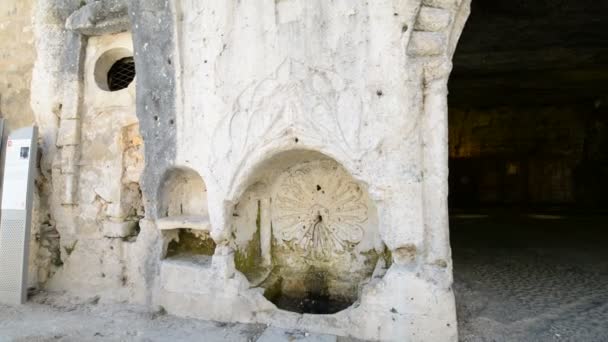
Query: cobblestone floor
532, 277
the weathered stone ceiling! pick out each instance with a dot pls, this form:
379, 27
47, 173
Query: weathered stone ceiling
532, 52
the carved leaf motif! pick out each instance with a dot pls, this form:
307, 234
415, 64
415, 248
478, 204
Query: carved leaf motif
297, 97
319, 209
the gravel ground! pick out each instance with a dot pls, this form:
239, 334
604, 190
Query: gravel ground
517, 278
55, 317
59, 318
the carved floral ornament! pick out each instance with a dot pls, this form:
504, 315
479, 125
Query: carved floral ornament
313, 103
319, 209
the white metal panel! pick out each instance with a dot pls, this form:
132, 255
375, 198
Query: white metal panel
17, 186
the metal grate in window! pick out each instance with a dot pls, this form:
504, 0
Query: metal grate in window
121, 74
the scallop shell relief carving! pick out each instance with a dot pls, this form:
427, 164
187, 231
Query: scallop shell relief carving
319, 209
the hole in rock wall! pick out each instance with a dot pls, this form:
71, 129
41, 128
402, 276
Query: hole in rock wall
184, 216
184, 193
191, 242
115, 69
131, 196
307, 233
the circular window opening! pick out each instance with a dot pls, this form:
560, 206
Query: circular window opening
121, 74
115, 69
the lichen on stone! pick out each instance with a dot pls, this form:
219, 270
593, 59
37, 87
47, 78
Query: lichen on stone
248, 259
191, 242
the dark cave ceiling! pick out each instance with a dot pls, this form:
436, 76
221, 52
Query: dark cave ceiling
532, 52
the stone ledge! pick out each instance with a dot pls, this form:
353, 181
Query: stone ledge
184, 222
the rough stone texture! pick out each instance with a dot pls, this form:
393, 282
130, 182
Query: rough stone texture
313, 229
56, 317
100, 17
432, 19
59, 317
318, 84
180, 190
245, 113
153, 27
516, 279
56, 79
17, 55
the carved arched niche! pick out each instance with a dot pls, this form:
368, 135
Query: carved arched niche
307, 232
184, 216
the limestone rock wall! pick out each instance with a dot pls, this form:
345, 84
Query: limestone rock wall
108, 152
362, 84
17, 56
245, 120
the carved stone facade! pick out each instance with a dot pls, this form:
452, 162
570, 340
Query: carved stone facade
282, 152
318, 211
307, 231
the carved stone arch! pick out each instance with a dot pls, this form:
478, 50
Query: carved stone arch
437, 29
255, 163
305, 228
313, 115
378, 132
183, 214
182, 192
432, 44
